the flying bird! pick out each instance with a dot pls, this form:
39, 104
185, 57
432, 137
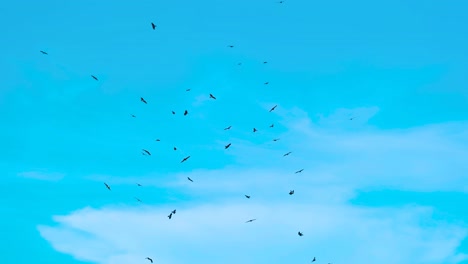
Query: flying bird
133, 116
158, 139
313, 260
352, 118
186, 158
174, 211
43, 52
266, 83
147, 152
280, 2
170, 216
276, 139
187, 90
138, 200
265, 62
185, 113
227, 128
227, 146
173, 112
272, 125
287, 154
94, 77
143, 100
240, 63
273, 108
300, 234
231, 46
139, 184
149, 259
175, 148
211, 96
154, 27
254, 130
107, 186
247, 196
251, 220
291, 192
189, 179
299, 171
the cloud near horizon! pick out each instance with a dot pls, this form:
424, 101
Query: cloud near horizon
339, 158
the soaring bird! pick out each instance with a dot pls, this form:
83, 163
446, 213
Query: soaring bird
154, 27
273, 108
138, 200
185, 113
133, 116
231, 46
266, 83
139, 184
175, 148
299, 171
276, 139
43, 52
227, 128
187, 90
287, 154
170, 216
174, 211
186, 158
143, 100
240, 63
189, 179
254, 130
300, 234
173, 112
351, 118
108, 187
150, 259
158, 140
272, 125
251, 220
94, 77
291, 192
227, 146
247, 196
313, 260
211, 96
280, 2
147, 152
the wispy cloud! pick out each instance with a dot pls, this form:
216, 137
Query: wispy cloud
42, 175
338, 159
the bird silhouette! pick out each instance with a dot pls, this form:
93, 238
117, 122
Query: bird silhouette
189, 179
185, 113
287, 154
299, 171
158, 139
300, 234
133, 116
265, 62
138, 200
150, 259
154, 27
107, 186
231, 46
251, 220
147, 152
313, 260
212, 96
227, 146
43, 52
266, 83
247, 196
184, 159
94, 77
276, 139
174, 211
273, 108
254, 130
170, 216
227, 128
143, 100
175, 148
139, 184
272, 125
187, 90
173, 112
291, 192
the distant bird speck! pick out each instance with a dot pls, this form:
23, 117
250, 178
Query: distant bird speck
276, 139
227, 146
227, 128
287, 154
143, 100
43, 52
173, 112
266, 83
212, 96
189, 179
185, 113
184, 159
154, 27
150, 259
254, 130
299, 171
247, 196
147, 152
272, 125
300, 234
291, 192
251, 220
273, 108
231, 46
94, 77
107, 186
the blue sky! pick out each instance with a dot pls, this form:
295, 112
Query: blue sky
387, 187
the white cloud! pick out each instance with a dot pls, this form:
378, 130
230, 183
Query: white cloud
42, 175
338, 158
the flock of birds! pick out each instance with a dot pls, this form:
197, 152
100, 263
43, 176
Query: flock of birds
210, 96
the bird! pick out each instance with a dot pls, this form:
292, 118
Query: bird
231, 46
287, 154
251, 220
240, 63
94, 77
212, 96
291, 192
247, 196
352, 118
174, 211
170, 216
276, 139
266, 83
313, 260
272, 125
43, 52
108, 187
265, 62
300, 234
299, 171
147, 152
189, 179
173, 112
184, 159
138, 200
139, 184
227, 146
273, 108
133, 116
154, 27
185, 113
175, 148
227, 128
143, 100
254, 130
150, 259
187, 90
280, 2
158, 139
